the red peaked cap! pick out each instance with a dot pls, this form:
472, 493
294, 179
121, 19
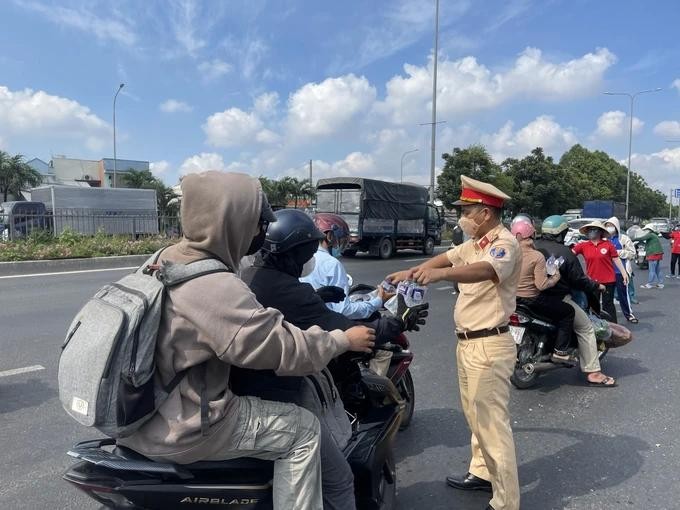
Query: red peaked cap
478, 192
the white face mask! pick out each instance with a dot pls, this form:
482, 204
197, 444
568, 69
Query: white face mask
611, 230
308, 267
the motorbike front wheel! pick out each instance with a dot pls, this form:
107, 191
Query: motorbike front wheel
407, 390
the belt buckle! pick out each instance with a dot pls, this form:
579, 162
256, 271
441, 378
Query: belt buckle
463, 333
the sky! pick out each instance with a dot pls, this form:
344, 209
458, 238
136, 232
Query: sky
263, 86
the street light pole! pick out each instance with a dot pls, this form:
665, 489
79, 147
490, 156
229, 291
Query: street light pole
630, 135
115, 164
434, 98
402, 162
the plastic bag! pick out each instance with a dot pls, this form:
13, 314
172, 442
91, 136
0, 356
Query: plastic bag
620, 336
602, 330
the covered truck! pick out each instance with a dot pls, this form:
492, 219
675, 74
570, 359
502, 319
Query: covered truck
87, 210
383, 216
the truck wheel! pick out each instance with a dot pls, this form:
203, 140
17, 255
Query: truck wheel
386, 248
428, 246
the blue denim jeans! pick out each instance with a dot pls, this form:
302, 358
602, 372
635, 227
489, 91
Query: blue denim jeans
655, 273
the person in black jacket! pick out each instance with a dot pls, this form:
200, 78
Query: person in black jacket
288, 251
572, 277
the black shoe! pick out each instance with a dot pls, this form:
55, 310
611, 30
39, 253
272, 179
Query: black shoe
469, 482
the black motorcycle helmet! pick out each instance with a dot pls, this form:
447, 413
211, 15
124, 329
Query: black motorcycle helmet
292, 228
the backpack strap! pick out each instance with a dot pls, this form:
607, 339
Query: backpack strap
174, 274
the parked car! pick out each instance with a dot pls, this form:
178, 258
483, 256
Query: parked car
662, 225
573, 235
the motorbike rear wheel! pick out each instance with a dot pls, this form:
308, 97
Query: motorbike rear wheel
388, 485
520, 379
407, 390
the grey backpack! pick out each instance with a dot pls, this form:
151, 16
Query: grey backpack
106, 367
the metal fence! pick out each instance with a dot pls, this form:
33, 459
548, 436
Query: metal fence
21, 226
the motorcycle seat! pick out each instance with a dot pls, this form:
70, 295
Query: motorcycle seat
243, 464
526, 310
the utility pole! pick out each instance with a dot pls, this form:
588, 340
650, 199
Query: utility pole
630, 134
310, 173
115, 164
434, 99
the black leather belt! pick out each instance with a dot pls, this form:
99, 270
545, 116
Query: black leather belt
482, 333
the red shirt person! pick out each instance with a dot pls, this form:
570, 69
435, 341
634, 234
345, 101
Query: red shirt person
675, 252
600, 256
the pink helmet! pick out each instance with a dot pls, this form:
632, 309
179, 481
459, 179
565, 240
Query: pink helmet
329, 222
523, 227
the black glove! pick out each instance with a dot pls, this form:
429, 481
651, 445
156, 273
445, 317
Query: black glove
412, 317
331, 294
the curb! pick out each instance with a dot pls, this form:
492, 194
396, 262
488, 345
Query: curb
54, 266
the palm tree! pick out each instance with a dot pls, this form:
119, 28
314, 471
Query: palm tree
140, 179
16, 176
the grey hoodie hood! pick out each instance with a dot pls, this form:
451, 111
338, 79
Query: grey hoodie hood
615, 221
220, 214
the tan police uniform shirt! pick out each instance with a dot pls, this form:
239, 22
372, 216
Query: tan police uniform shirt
488, 304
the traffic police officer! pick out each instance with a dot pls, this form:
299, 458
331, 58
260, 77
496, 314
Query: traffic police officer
487, 268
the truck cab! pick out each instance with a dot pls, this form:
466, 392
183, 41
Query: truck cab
383, 217
19, 219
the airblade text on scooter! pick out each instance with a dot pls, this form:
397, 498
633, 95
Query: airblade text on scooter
219, 501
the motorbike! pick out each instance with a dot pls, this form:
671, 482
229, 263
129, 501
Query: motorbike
402, 357
377, 406
535, 337
641, 255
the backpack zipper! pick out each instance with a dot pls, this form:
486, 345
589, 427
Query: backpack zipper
135, 340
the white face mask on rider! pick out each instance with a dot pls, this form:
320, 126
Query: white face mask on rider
611, 230
308, 267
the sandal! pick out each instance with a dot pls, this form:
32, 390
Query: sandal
607, 382
632, 319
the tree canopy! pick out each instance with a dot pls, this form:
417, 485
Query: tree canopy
281, 192
539, 186
16, 175
166, 198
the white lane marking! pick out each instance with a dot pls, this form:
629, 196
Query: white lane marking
415, 260
69, 272
445, 287
23, 370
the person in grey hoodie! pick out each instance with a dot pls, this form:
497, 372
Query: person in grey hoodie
213, 322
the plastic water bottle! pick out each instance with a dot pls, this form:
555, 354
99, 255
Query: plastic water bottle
416, 295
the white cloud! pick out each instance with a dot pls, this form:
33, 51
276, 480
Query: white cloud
543, 132
466, 86
398, 25
174, 106
39, 114
232, 127
660, 169
213, 69
183, 18
202, 162
265, 104
615, 124
676, 85
321, 109
159, 168
668, 129
118, 30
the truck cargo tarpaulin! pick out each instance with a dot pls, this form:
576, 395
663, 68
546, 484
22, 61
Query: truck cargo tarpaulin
384, 200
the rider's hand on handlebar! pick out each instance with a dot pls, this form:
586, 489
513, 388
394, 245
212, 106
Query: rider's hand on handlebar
361, 339
331, 294
412, 317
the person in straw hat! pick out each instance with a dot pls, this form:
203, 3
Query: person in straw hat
487, 268
601, 256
